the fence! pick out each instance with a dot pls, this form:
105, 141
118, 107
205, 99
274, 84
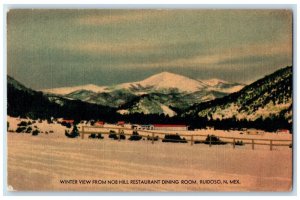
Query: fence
156, 136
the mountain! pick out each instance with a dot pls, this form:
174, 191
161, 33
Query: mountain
161, 93
165, 81
264, 104
166, 103
113, 98
22, 101
223, 86
68, 90
25, 102
160, 103
12, 83
268, 97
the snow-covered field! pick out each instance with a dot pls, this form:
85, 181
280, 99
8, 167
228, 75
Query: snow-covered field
38, 163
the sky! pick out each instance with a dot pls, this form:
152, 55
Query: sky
61, 48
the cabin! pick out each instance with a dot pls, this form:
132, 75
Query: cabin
170, 127
99, 123
67, 121
147, 127
121, 123
141, 127
283, 131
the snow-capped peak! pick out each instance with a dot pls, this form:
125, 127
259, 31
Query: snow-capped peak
160, 81
68, 90
167, 80
214, 82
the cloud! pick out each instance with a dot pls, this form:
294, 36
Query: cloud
110, 47
99, 42
149, 55
122, 17
132, 51
220, 58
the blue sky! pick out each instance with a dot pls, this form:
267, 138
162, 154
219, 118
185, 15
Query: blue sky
57, 48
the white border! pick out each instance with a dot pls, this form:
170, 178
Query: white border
139, 4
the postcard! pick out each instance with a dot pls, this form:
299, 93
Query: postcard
155, 100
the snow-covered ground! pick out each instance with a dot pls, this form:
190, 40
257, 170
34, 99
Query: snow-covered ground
43, 126
38, 163
59, 130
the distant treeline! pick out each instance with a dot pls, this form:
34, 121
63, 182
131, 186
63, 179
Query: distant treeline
268, 124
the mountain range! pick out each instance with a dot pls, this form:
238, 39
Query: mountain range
161, 93
25, 102
269, 97
144, 102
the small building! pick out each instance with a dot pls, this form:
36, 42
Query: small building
170, 127
99, 123
147, 127
283, 131
67, 121
121, 123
